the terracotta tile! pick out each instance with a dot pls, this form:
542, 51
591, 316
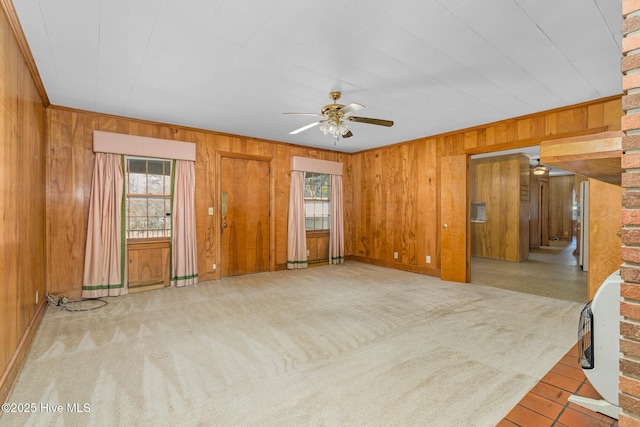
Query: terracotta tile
573, 417
505, 423
573, 372
596, 415
548, 399
561, 381
525, 417
587, 390
570, 359
551, 392
541, 405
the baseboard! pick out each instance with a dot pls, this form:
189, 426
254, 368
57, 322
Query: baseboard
413, 269
397, 266
12, 370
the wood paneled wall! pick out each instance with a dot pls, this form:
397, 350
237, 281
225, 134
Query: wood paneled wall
69, 179
22, 207
394, 194
605, 231
534, 211
396, 188
502, 183
561, 207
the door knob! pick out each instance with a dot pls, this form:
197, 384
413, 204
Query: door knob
224, 225
445, 226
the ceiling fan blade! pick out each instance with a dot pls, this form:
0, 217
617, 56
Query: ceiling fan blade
351, 108
305, 114
347, 135
370, 121
303, 128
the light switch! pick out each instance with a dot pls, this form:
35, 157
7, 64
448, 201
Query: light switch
210, 211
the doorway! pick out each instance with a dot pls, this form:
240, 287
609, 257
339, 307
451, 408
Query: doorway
548, 267
245, 215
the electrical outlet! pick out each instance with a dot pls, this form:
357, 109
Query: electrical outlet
428, 259
210, 211
307, 252
395, 255
214, 267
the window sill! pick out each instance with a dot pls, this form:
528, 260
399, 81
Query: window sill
133, 244
317, 233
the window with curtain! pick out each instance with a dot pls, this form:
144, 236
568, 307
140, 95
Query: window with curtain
317, 192
148, 200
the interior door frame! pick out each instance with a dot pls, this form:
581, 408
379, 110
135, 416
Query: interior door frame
455, 221
493, 149
217, 212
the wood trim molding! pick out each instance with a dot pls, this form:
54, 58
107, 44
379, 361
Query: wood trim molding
395, 265
14, 367
532, 141
16, 28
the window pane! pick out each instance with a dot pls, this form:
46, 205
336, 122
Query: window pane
137, 207
156, 206
156, 167
325, 186
137, 224
325, 223
137, 183
156, 184
137, 166
147, 216
155, 223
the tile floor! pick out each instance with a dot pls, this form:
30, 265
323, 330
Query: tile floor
547, 403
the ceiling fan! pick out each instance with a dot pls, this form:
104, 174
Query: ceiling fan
540, 169
335, 117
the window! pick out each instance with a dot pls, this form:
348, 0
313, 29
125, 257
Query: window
316, 200
148, 204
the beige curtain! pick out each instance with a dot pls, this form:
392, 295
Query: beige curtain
104, 266
297, 237
336, 230
184, 253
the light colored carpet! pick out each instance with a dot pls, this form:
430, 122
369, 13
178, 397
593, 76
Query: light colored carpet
348, 345
551, 271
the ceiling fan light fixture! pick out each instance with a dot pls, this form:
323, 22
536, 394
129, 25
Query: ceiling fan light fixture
540, 169
335, 128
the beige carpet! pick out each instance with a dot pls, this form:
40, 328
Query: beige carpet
349, 345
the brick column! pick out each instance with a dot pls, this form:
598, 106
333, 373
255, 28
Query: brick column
630, 290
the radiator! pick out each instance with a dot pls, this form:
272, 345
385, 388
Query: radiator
599, 346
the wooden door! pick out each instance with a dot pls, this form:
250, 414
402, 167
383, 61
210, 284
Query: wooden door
454, 217
544, 213
244, 213
605, 226
534, 211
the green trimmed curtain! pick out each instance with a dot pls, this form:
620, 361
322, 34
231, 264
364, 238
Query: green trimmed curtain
336, 225
297, 234
104, 266
184, 252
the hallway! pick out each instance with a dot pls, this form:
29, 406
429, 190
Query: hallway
550, 271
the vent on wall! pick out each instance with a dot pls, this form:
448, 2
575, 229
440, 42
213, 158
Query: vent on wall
479, 212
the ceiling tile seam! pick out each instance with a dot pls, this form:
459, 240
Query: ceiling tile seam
95, 92
561, 51
53, 59
613, 34
135, 79
505, 91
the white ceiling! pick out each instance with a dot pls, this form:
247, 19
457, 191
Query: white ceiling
235, 66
